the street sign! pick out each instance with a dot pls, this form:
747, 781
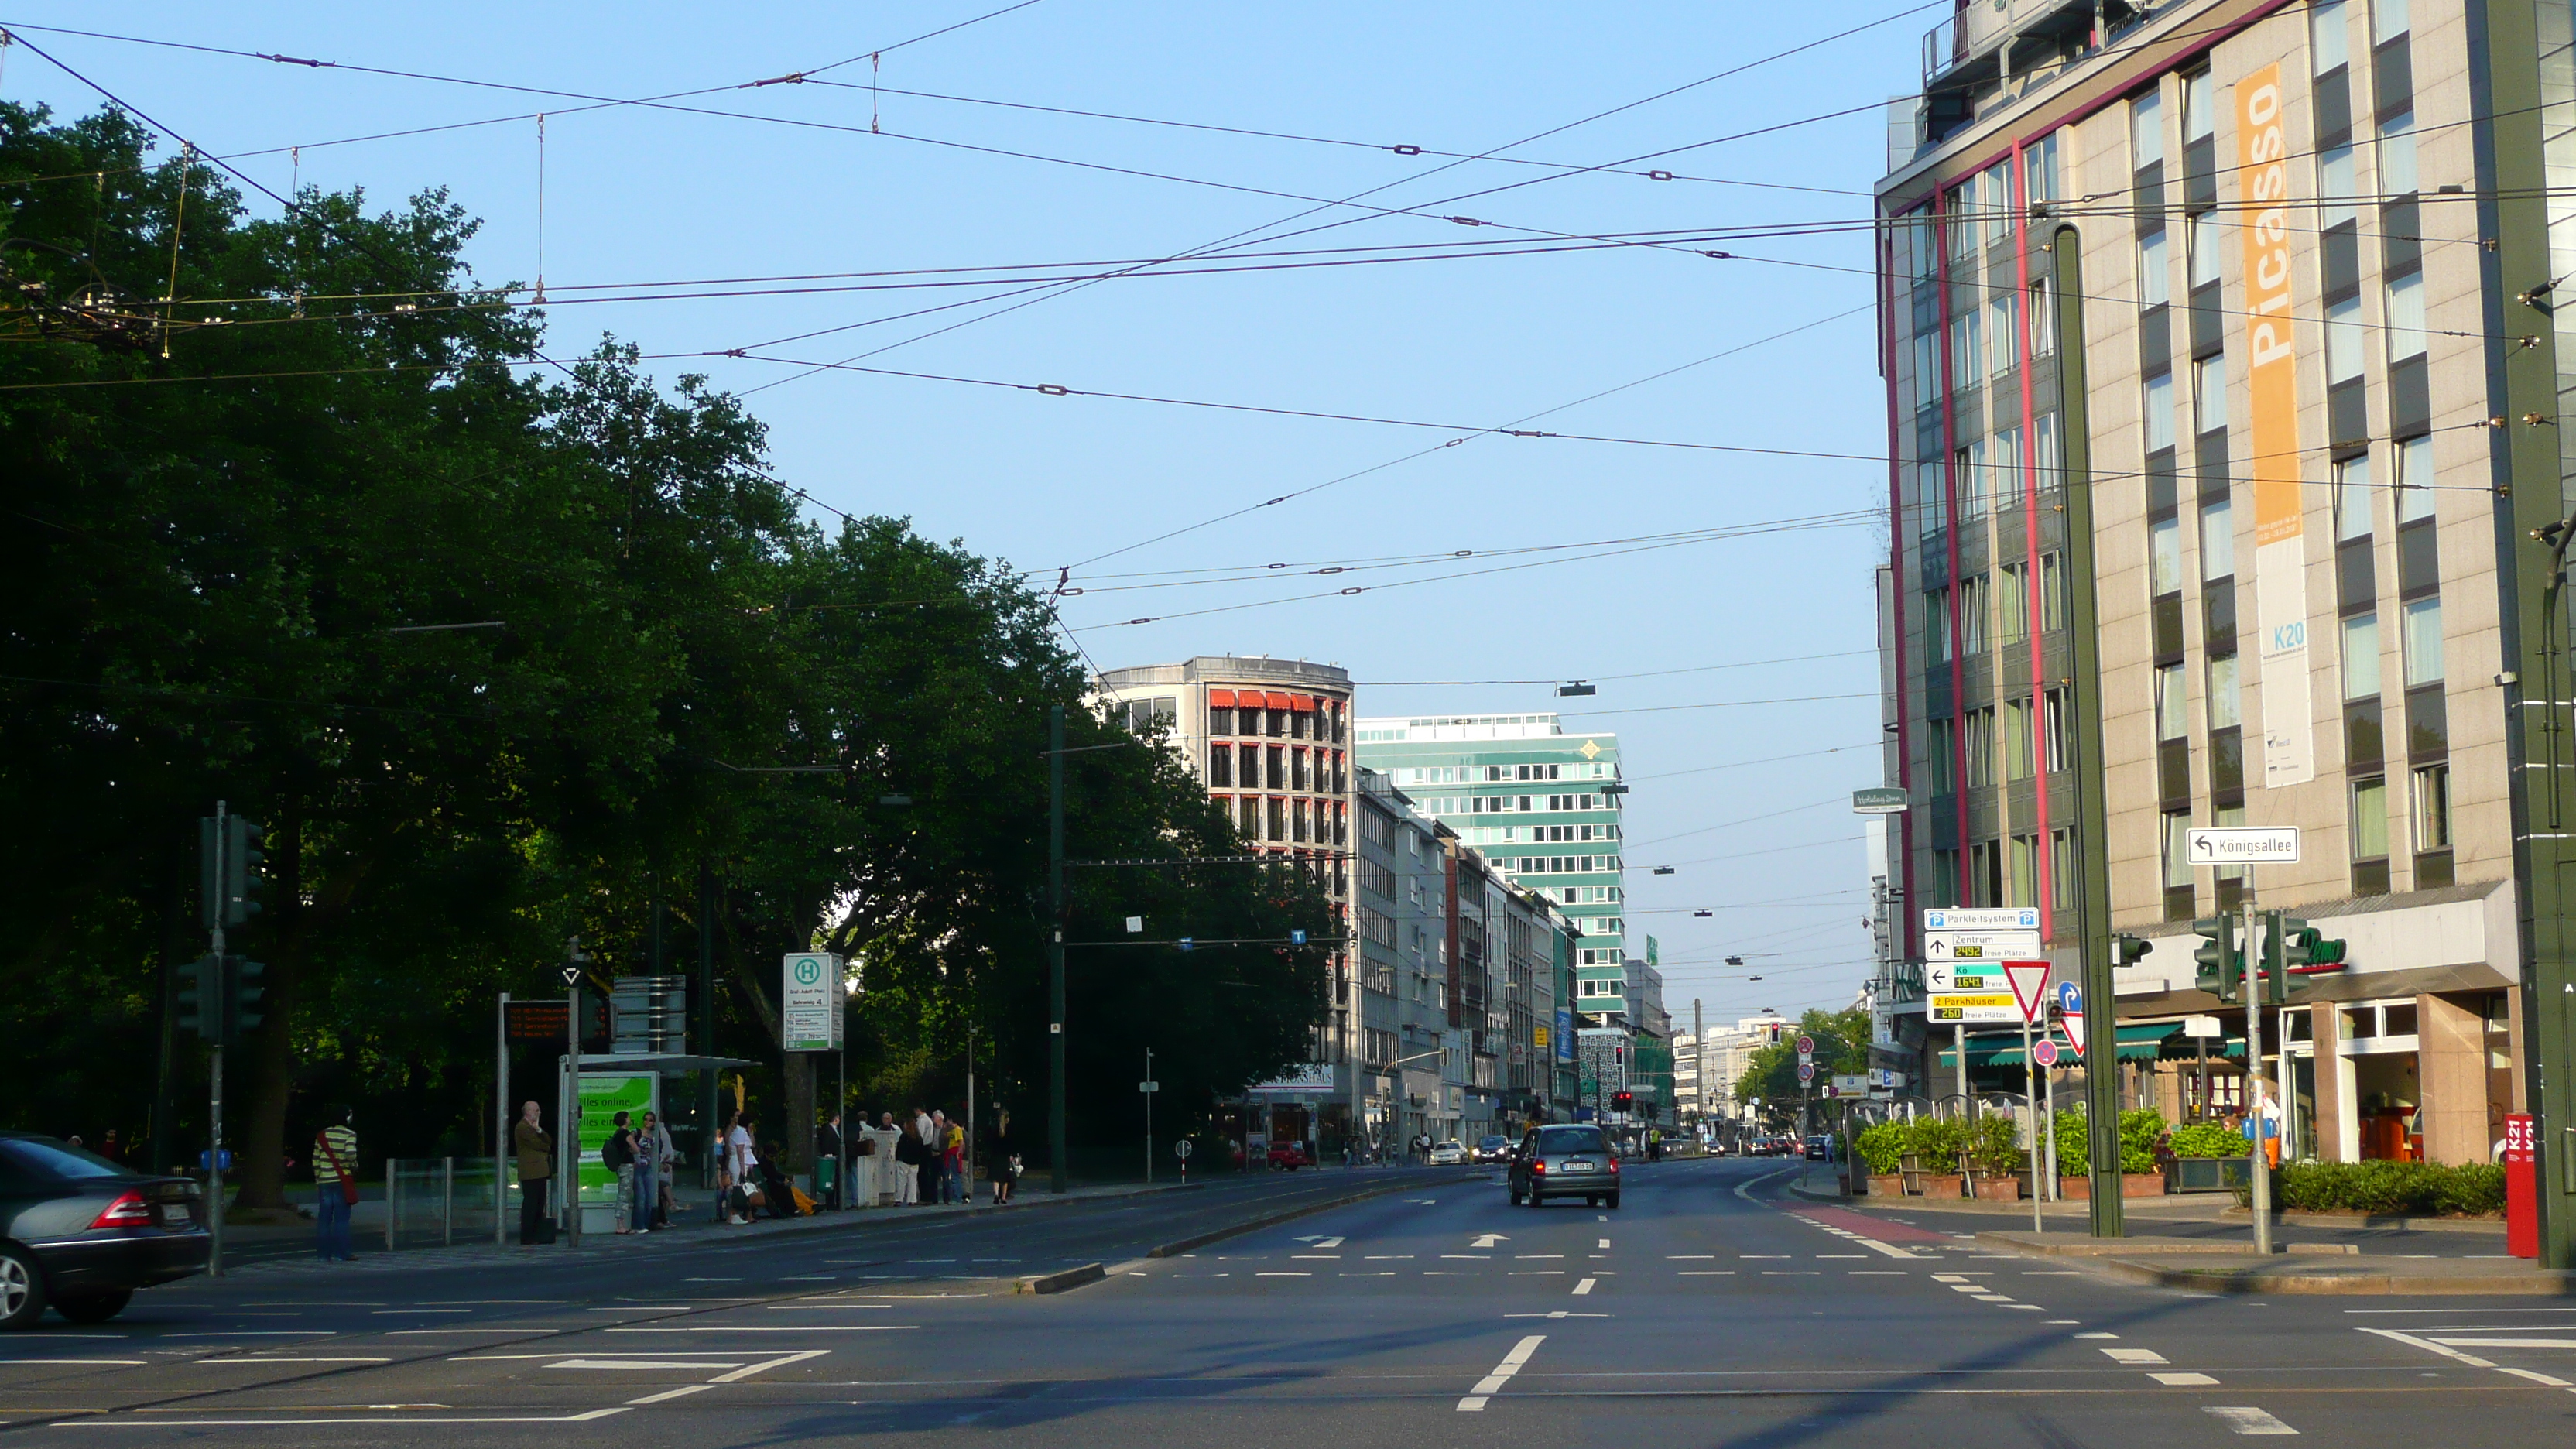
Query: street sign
1974, 1008
2202, 1026
1880, 800
2070, 1009
810, 1001
571, 975
2044, 1051
1963, 945
1149, 1086
2029, 987
1851, 1084
1947, 976
1960, 918
1806, 1046
2241, 845
1181, 1149
536, 1020
1806, 1071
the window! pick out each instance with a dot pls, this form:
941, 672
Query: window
2164, 556
2053, 722
1940, 745
1972, 616
1945, 877
2415, 479
1221, 765
1967, 358
2406, 316
2423, 641
2052, 591
2200, 244
2352, 498
1932, 498
2024, 885
2225, 712
1298, 719
2217, 541
2433, 808
2223, 816
1995, 199
2004, 466
2043, 321
2159, 399
2039, 168
2003, 326
2173, 707
1220, 721
1980, 746
2333, 34
2361, 657
2155, 281
2343, 340
1927, 368
2012, 601
2338, 183
2061, 869
2387, 20
2147, 130
2369, 819
1969, 467
2209, 394
2044, 451
2199, 111
2017, 739
1936, 624
2176, 849
2397, 155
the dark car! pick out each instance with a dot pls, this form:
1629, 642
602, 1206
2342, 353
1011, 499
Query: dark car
79, 1233
1493, 1149
1820, 1149
1565, 1161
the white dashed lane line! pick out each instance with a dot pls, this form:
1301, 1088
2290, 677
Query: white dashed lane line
2249, 1421
1492, 1383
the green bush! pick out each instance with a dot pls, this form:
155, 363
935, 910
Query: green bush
1995, 1145
2208, 1139
2074, 1145
2420, 1189
2140, 1127
1882, 1147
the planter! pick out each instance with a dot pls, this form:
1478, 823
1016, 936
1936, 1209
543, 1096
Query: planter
2075, 1189
1999, 1189
1942, 1185
2207, 1174
1889, 1184
2142, 1184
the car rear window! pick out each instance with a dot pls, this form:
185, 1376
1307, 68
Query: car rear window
45, 1157
1571, 1139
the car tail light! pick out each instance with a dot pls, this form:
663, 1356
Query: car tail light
1538, 1166
128, 1211
1614, 1164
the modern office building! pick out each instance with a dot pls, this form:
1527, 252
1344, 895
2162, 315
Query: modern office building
2222, 411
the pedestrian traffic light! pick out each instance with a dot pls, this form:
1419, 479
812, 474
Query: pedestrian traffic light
196, 989
242, 876
243, 994
2127, 950
2221, 961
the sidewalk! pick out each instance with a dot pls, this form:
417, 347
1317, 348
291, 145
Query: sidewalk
2304, 1268
677, 1238
2204, 1207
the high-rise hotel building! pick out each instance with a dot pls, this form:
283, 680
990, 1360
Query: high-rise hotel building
2223, 390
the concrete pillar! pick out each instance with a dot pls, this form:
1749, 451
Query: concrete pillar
2325, 1029
2166, 1080
2513, 1018
2451, 1073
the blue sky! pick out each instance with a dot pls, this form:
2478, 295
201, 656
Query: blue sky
642, 195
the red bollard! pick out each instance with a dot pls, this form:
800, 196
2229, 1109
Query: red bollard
2521, 1188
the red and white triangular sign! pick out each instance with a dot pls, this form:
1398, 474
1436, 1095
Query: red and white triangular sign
2030, 986
2074, 1027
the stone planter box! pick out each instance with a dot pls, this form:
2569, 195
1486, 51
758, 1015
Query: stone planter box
1999, 1189
1942, 1185
2207, 1174
2132, 1184
1887, 1184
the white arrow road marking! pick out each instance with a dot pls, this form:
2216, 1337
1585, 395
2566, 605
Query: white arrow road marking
2249, 1421
1487, 1240
1492, 1383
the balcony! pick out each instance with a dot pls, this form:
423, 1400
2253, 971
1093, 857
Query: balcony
1986, 43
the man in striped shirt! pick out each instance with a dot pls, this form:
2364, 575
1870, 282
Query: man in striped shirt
335, 1177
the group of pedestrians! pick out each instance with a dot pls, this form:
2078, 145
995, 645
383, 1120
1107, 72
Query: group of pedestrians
641, 1154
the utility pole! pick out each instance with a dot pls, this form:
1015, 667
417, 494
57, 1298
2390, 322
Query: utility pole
569, 1138
1149, 1116
2257, 1167
1055, 949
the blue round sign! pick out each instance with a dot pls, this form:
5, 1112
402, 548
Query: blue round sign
2070, 998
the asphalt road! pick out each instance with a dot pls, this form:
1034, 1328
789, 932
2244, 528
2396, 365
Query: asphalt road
1704, 1311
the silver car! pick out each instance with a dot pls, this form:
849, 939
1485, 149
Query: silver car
1565, 1160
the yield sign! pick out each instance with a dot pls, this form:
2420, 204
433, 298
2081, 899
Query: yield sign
2070, 1007
2030, 986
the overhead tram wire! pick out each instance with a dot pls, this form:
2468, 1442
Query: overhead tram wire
1610, 678
1040, 294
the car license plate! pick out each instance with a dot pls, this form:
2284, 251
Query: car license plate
1578, 1165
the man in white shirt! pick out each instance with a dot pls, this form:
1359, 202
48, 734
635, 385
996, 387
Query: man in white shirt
742, 1165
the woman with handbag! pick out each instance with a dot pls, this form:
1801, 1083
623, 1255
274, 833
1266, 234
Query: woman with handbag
617, 1154
335, 1178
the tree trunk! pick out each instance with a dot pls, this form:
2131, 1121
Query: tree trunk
797, 1134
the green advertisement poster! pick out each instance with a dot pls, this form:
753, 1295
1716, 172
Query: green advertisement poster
603, 1096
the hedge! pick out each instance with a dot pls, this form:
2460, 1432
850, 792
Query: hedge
2415, 1189
2208, 1139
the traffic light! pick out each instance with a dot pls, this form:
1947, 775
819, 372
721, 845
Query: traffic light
196, 988
2220, 957
2128, 950
242, 877
1619, 1100
242, 995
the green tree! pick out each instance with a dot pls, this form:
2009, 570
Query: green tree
1771, 1073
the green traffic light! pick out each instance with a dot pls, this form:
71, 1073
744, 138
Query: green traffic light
2221, 967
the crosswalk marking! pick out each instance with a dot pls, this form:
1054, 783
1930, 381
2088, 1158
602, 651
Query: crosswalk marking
2248, 1420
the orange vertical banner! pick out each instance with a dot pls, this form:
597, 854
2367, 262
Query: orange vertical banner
2272, 434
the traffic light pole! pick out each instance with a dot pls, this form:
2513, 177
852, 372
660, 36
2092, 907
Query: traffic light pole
1055, 950
2258, 1166
216, 1002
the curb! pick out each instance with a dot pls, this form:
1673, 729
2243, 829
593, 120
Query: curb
2319, 1280
2169, 1247
1799, 1189
1058, 1282
1248, 1225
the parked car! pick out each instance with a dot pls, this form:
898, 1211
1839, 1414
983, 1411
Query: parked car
1290, 1154
1564, 1161
1820, 1149
1493, 1149
80, 1234
1452, 1153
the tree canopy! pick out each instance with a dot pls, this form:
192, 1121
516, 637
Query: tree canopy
1771, 1073
502, 652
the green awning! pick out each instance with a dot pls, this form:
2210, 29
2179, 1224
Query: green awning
2144, 1042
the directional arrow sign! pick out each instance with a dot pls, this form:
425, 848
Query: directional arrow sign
2030, 986
1959, 945
2070, 1007
1973, 976
2242, 844
1487, 1240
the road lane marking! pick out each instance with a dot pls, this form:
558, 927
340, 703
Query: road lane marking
1708, 1272
1605, 1242
2509, 1342
244, 1359
2248, 1420
1686, 1257
1583, 1287
126, 1423
786, 1328
2182, 1381
2135, 1356
2097, 1334
781, 1361
1876, 1273
93, 1362
1492, 1383
1532, 1257
502, 1328
666, 1395
634, 1363
1283, 1275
